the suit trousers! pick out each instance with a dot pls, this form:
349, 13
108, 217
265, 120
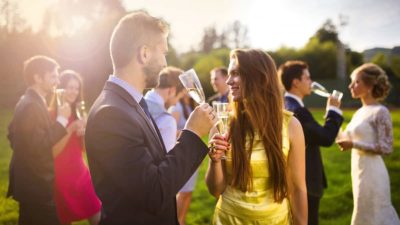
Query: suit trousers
38, 214
313, 206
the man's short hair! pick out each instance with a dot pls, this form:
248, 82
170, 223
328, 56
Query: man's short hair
291, 70
40, 65
133, 31
169, 77
222, 70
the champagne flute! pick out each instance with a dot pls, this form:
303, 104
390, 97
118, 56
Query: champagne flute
60, 96
221, 108
80, 110
192, 84
320, 90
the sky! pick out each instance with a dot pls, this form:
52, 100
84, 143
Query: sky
271, 24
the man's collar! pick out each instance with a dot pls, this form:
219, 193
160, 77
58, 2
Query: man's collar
131, 90
295, 97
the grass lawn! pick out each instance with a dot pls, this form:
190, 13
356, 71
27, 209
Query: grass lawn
336, 206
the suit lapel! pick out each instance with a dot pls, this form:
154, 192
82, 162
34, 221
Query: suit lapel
132, 102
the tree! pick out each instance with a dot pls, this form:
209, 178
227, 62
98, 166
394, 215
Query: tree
209, 40
239, 34
327, 32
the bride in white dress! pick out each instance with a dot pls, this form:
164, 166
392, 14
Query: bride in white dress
369, 135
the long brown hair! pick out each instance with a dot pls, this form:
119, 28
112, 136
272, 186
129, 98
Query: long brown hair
65, 77
259, 111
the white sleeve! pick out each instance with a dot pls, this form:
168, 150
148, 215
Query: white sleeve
382, 125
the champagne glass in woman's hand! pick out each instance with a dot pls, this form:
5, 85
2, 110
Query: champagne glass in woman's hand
80, 110
192, 84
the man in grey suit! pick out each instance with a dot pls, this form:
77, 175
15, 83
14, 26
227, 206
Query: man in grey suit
133, 175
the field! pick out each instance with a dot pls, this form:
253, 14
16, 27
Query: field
336, 205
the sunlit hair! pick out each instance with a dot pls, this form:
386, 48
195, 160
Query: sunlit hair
169, 77
258, 112
291, 70
133, 31
221, 70
374, 76
65, 77
39, 65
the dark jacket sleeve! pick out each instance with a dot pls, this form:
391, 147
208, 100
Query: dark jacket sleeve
314, 133
30, 131
118, 153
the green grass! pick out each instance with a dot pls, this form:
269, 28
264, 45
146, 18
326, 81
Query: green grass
336, 205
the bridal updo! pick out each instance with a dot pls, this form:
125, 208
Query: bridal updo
374, 76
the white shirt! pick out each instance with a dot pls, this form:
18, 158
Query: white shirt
166, 123
295, 97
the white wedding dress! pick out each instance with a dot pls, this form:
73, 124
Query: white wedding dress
370, 129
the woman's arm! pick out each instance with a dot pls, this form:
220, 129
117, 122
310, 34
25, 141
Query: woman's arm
215, 175
382, 125
60, 145
296, 173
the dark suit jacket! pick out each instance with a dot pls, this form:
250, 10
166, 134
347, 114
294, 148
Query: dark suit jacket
315, 135
133, 175
32, 134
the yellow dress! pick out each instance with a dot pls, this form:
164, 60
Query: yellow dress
256, 206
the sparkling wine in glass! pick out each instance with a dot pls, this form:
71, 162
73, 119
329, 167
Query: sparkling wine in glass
221, 109
60, 96
192, 84
320, 90
80, 110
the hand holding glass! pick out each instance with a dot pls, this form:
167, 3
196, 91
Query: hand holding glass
192, 84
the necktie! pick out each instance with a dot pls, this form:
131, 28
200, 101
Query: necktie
145, 108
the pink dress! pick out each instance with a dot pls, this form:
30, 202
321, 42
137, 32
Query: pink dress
74, 193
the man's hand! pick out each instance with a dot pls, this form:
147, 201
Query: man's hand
201, 120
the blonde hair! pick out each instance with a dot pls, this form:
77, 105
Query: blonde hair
133, 31
374, 76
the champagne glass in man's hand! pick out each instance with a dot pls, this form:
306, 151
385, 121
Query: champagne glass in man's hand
320, 90
192, 84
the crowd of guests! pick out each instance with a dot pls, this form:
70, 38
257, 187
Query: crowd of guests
144, 150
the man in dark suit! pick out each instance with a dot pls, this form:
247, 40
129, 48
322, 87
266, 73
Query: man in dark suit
134, 177
32, 134
218, 77
296, 79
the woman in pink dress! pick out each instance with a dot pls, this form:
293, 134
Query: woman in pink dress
74, 193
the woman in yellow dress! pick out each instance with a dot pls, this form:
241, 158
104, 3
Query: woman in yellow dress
262, 178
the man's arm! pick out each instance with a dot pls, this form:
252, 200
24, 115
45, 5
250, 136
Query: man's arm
31, 133
314, 133
117, 150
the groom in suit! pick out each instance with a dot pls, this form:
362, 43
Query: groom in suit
32, 134
296, 80
133, 175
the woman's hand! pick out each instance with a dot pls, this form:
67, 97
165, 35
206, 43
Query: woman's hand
77, 126
218, 146
345, 145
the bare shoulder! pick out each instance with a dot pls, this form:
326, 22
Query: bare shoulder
295, 128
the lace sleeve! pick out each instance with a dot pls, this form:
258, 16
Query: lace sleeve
382, 124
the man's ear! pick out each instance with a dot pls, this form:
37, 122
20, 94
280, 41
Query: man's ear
37, 79
144, 54
295, 83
